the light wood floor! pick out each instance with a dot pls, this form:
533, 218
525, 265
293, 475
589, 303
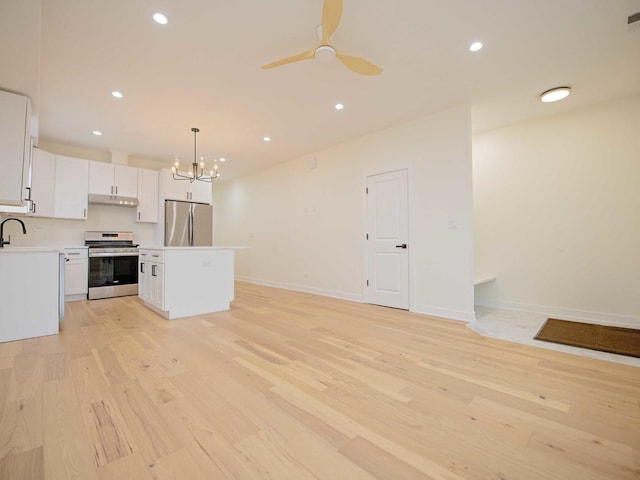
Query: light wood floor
293, 386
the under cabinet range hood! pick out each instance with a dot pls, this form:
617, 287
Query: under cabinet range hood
116, 200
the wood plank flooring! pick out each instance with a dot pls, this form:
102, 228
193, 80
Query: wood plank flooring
294, 386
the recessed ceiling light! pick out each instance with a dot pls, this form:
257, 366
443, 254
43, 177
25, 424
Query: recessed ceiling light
160, 18
97, 132
117, 94
555, 94
222, 159
267, 139
339, 106
475, 46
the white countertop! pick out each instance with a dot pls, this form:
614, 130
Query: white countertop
10, 249
193, 248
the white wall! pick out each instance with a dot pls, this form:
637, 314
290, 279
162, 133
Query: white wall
556, 204
306, 227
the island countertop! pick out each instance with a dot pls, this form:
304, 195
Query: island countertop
233, 247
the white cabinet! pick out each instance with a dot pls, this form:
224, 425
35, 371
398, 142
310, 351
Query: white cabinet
148, 184
15, 151
43, 176
76, 274
185, 190
200, 192
110, 179
186, 281
151, 277
29, 296
71, 188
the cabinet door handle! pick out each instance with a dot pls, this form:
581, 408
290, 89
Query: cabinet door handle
138, 215
153, 270
141, 267
404, 245
116, 189
111, 189
84, 213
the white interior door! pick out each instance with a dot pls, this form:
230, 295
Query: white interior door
388, 234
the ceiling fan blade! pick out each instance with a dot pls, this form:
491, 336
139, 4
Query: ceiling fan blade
331, 16
296, 58
359, 65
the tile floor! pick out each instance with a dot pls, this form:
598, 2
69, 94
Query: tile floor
521, 327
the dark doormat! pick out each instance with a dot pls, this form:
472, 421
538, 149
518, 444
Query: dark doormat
624, 341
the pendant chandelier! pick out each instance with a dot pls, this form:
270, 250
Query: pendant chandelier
197, 169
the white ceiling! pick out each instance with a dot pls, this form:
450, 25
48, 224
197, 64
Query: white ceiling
203, 70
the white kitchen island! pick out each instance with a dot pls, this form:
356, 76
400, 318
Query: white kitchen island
31, 287
181, 282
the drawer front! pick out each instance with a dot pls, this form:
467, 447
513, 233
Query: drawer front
151, 255
74, 253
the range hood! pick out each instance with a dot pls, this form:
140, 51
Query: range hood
116, 200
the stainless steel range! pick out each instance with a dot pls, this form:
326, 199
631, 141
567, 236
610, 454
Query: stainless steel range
113, 264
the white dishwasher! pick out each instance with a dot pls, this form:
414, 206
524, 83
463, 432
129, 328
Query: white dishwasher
76, 273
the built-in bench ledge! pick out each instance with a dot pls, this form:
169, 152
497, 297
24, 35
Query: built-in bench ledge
482, 279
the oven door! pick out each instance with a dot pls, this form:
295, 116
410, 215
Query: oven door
113, 275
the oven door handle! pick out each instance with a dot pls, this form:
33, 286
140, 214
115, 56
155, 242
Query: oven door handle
113, 254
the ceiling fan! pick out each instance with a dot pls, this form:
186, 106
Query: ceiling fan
325, 52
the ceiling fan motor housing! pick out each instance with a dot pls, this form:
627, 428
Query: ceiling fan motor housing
325, 53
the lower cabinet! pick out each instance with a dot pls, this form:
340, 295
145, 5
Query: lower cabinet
151, 277
179, 282
76, 274
30, 296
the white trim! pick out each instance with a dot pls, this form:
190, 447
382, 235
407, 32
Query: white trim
365, 243
303, 288
482, 279
446, 313
613, 319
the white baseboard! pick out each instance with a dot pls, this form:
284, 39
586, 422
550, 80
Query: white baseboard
458, 315
303, 288
422, 309
569, 314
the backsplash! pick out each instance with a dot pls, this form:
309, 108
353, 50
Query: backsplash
70, 233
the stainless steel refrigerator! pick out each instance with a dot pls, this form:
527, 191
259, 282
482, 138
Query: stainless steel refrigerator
187, 224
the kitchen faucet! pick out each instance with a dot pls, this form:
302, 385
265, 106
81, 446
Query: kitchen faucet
2, 240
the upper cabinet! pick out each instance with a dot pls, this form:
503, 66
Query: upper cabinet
185, 190
110, 179
200, 192
148, 184
71, 188
15, 151
43, 180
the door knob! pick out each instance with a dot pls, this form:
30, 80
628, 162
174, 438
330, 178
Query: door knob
404, 245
